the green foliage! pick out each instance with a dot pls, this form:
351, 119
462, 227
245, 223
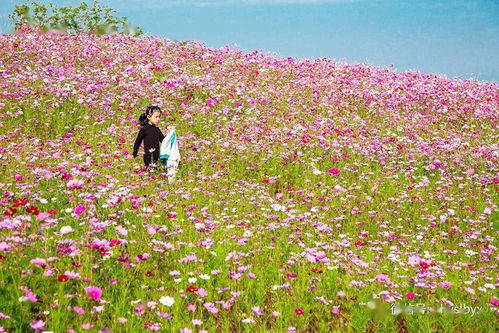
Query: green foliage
95, 17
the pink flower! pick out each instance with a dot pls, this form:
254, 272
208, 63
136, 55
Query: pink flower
37, 325
87, 326
122, 320
257, 310
94, 292
78, 310
31, 296
121, 230
382, 278
139, 310
197, 322
79, 209
335, 309
43, 216
211, 307
75, 184
445, 284
201, 292
191, 307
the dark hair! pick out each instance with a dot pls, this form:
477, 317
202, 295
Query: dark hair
149, 111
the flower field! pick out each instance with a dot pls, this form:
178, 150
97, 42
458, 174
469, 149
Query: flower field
312, 195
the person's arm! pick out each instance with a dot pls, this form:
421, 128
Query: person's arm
138, 141
161, 136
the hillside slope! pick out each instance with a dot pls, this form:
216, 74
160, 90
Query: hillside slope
307, 190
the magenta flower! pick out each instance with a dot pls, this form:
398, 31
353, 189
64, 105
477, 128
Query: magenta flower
79, 209
333, 171
94, 292
410, 295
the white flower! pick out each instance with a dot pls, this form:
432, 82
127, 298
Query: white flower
199, 226
204, 276
192, 280
66, 230
248, 320
177, 280
167, 300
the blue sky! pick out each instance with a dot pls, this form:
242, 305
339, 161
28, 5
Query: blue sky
454, 38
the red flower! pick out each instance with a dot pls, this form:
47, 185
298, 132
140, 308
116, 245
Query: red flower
148, 274
299, 311
316, 270
20, 202
52, 211
192, 289
33, 210
62, 278
10, 211
114, 242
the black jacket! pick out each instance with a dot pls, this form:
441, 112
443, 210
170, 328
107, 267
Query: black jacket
152, 136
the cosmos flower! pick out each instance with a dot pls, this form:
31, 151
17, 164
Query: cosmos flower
167, 300
94, 292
